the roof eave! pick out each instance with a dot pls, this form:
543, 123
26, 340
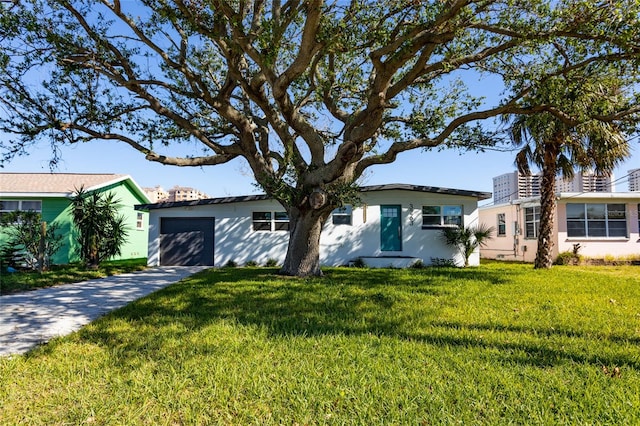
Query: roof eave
36, 194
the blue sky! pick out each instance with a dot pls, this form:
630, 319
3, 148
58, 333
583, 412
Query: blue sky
450, 169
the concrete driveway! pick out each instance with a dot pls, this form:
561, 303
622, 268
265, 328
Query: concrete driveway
34, 317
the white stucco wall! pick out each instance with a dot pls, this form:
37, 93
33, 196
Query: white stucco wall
362, 238
236, 240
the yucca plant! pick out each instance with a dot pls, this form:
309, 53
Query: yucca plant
101, 231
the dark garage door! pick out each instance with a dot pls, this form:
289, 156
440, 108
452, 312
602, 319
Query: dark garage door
186, 241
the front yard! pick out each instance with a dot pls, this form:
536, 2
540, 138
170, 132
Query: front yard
498, 344
62, 274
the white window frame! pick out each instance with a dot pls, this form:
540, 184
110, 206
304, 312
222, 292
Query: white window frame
342, 216
20, 206
534, 222
139, 221
501, 219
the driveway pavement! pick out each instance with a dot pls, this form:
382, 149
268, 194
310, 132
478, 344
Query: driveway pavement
34, 317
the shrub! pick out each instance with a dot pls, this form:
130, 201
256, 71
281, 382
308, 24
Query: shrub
231, 264
30, 241
251, 263
468, 239
418, 264
271, 263
568, 258
359, 263
440, 262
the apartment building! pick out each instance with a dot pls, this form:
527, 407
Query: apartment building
514, 186
185, 193
156, 194
634, 180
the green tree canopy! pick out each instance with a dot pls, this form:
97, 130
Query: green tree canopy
309, 93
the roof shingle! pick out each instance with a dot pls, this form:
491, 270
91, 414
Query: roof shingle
54, 183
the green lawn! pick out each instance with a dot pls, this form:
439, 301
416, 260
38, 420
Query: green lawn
63, 274
498, 344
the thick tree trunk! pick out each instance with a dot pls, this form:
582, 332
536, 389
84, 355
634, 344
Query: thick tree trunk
544, 254
303, 252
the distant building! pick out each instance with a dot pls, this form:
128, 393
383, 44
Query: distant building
183, 193
514, 186
634, 180
586, 182
156, 194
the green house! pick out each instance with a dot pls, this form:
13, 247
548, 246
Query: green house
51, 193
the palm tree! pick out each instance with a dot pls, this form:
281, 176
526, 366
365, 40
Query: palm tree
573, 132
467, 240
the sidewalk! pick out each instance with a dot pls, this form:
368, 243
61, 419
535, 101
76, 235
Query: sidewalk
34, 317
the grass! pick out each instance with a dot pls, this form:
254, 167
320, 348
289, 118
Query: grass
498, 344
63, 274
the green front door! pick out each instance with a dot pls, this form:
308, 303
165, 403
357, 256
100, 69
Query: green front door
390, 228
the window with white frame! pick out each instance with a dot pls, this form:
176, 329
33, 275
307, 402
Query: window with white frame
531, 221
342, 215
139, 221
270, 221
439, 216
502, 225
21, 205
8, 206
592, 220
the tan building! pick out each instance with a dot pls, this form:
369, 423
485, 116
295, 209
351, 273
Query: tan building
602, 223
156, 194
183, 193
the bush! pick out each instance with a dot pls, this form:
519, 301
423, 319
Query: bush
467, 239
251, 264
439, 262
26, 244
11, 255
418, 264
271, 263
568, 258
359, 263
231, 264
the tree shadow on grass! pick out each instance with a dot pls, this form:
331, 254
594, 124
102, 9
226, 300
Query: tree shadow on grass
345, 302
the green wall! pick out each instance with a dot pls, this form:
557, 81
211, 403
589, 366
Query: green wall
57, 210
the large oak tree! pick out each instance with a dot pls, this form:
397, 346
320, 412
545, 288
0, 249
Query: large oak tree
309, 93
